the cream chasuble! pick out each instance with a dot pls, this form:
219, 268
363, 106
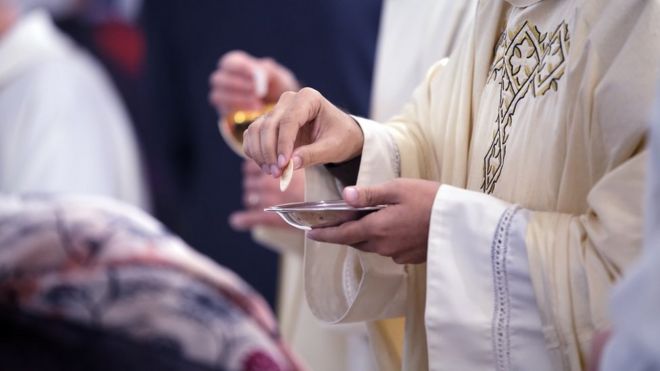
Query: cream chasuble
535, 128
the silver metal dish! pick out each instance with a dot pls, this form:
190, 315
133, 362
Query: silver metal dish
319, 214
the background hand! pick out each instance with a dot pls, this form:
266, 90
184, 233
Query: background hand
261, 191
235, 85
305, 128
399, 231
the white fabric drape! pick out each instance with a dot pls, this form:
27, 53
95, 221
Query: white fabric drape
62, 126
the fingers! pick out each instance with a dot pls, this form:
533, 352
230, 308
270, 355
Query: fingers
409, 257
229, 81
295, 122
381, 194
269, 140
350, 233
250, 168
239, 63
226, 102
232, 85
280, 79
261, 135
246, 220
305, 107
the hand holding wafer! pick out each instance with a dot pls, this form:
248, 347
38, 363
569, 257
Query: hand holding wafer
303, 129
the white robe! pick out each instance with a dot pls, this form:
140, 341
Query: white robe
62, 126
404, 54
536, 129
635, 341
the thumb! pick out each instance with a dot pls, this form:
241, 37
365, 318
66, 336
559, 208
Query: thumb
382, 194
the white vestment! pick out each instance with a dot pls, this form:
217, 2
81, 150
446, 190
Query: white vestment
62, 126
535, 127
405, 52
635, 341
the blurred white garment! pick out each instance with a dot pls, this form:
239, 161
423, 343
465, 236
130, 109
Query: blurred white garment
62, 126
406, 50
94, 10
635, 341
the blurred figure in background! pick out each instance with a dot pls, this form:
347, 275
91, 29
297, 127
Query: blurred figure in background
405, 52
635, 341
62, 126
107, 29
89, 283
329, 44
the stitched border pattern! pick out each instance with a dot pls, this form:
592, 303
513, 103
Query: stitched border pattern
502, 303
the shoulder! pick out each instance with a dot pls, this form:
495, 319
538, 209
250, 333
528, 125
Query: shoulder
70, 88
71, 74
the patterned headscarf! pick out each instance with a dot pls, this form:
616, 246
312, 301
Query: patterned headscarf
109, 266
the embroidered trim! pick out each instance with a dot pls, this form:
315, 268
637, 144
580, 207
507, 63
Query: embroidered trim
396, 156
501, 312
526, 60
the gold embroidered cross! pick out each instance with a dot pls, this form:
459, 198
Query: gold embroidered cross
525, 60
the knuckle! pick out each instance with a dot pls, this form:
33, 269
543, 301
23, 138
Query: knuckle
307, 157
229, 56
287, 95
268, 62
308, 93
263, 126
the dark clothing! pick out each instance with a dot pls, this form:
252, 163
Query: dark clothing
196, 179
34, 343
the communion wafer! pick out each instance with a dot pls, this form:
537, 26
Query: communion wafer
287, 174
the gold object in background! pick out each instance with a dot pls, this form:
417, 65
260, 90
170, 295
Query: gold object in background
234, 125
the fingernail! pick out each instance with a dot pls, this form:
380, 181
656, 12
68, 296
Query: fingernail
265, 168
311, 234
297, 162
281, 161
274, 170
351, 195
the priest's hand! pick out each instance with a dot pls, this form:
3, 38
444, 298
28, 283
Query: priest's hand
399, 231
304, 128
243, 82
261, 191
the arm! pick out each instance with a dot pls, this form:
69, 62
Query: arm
362, 285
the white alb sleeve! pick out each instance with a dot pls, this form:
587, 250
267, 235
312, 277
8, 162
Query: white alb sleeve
343, 284
480, 298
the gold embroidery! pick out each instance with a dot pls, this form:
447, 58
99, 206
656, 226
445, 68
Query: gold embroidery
525, 59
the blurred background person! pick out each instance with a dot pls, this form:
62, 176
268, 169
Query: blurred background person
107, 29
89, 283
405, 52
634, 343
62, 126
195, 177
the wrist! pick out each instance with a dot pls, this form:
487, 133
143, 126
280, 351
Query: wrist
356, 138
